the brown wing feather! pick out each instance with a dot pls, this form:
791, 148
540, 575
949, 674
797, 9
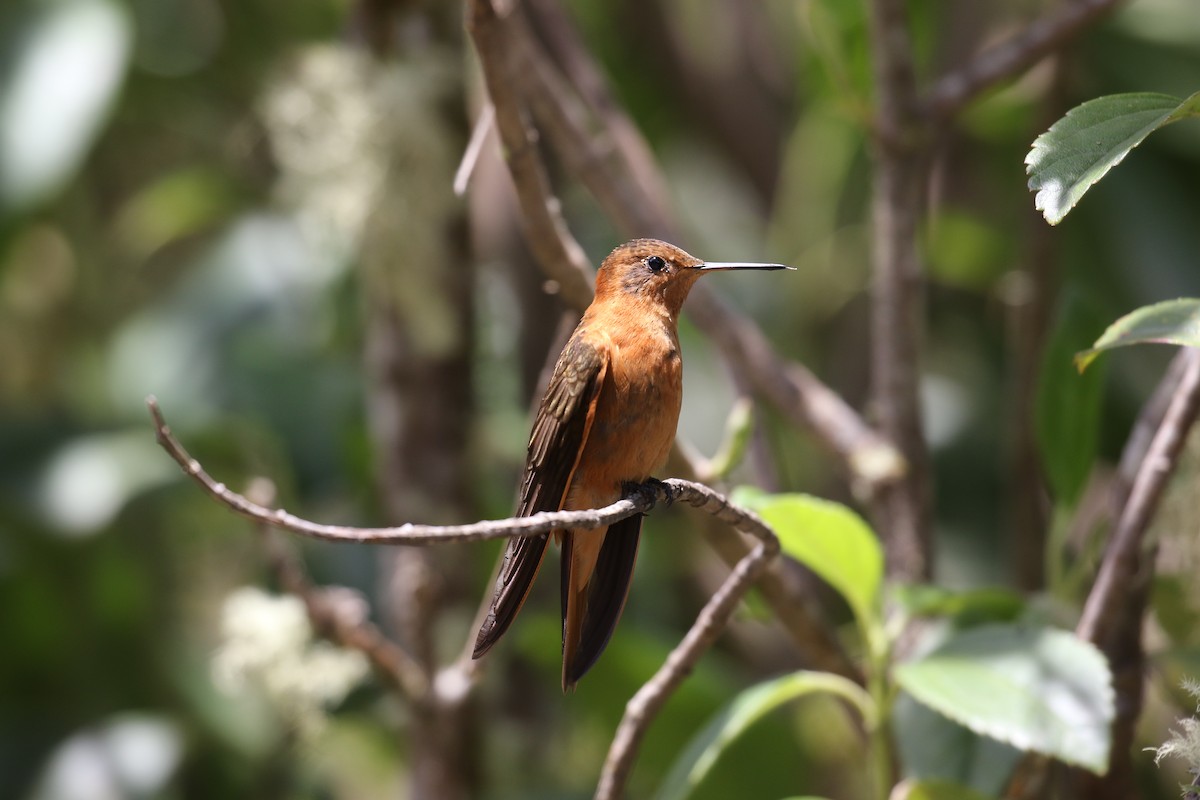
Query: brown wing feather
560, 431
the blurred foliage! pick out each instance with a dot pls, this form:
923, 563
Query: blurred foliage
148, 243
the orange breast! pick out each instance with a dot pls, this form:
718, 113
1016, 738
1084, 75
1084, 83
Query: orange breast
637, 411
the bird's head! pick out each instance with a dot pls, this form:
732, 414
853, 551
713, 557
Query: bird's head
657, 272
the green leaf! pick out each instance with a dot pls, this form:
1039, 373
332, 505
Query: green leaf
934, 748
1068, 405
1093, 138
934, 790
829, 539
1168, 322
1038, 689
747, 708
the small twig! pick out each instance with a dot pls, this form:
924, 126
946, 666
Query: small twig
479, 135
644, 706
1122, 558
568, 48
331, 619
545, 230
1010, 58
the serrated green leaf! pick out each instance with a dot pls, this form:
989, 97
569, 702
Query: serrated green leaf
933, 747
1068, 405
747, 708
1168, 322
1038, 689
1093, 138
829, 539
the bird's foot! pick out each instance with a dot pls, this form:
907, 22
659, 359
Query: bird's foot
670, 492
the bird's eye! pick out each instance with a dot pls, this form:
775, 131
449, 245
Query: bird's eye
656, 263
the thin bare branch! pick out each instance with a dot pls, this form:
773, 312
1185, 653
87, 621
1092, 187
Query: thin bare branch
479, 135
1122, 558
644, 706
1114, 613
626, 142
1012, 57
545, 229
644, 498
408, 534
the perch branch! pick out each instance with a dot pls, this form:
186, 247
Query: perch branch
399, 668
644, 706
1008, 59
644, 498
640, 501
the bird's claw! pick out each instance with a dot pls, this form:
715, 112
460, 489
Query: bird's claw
670, 492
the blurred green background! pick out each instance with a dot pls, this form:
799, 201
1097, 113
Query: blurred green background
199, 199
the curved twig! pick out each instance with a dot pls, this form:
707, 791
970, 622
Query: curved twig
640, 501
1008, 59
643, 498
644, 706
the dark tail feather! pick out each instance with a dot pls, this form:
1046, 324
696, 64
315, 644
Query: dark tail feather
606, 595
522, 559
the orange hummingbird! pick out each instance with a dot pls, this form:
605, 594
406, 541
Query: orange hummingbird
607, 419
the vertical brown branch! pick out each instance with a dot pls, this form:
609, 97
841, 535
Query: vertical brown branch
417, 288
902, 510
1115, 609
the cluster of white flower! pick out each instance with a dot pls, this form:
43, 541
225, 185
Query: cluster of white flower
268, 647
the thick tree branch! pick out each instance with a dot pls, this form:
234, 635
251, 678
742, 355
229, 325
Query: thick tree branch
1012, 57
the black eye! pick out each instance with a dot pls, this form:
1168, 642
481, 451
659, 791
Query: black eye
656, 263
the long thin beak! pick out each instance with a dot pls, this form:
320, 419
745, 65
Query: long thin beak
717, 266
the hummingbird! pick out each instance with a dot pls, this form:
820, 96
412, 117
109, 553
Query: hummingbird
607, 420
